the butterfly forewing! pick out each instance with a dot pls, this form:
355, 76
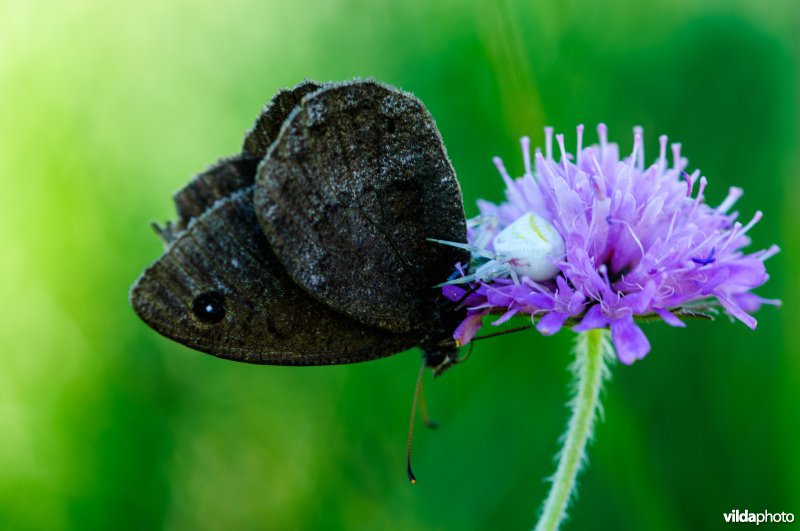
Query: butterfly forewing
349, 194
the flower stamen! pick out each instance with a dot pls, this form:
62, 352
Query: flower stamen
525, 142
662, 152
602, 134
562, 148
580, 144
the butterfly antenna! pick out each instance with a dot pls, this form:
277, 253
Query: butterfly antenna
423, 408
469, 352
411, 424
504, 332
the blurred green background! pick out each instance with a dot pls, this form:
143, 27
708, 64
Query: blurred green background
106, 108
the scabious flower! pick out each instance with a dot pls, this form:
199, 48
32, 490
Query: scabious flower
625, 242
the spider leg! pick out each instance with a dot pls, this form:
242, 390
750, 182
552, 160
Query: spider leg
460, 280
493, 269
482, 220
485, 228
489, 270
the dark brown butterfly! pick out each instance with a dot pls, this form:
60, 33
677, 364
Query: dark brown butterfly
311, 246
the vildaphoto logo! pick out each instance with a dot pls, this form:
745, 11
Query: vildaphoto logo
746, 517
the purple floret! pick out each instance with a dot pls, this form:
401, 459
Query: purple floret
640, 242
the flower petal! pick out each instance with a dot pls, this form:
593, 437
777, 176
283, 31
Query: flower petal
506, 316
670, 318
469, 327
594, 318
750, 302
629, 340
551, 323
735, 310
642, 300
455, 293
748, 272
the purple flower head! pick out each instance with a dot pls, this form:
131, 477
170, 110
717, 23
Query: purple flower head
592, 241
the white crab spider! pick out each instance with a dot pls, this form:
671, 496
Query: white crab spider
529, 247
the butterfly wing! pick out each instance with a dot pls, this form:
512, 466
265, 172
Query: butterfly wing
220, 180
268, 124
220, 289
238, 172
348, 195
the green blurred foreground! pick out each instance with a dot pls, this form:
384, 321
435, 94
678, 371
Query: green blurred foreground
107, 108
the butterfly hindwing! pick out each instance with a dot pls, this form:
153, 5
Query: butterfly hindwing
220, 289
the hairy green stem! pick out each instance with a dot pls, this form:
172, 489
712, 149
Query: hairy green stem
589, 369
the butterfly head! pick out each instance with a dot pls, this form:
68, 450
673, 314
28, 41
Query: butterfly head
441, 357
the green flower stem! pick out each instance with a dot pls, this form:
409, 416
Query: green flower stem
590, 370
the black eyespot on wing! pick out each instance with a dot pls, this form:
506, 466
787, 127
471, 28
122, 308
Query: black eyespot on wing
209, 307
